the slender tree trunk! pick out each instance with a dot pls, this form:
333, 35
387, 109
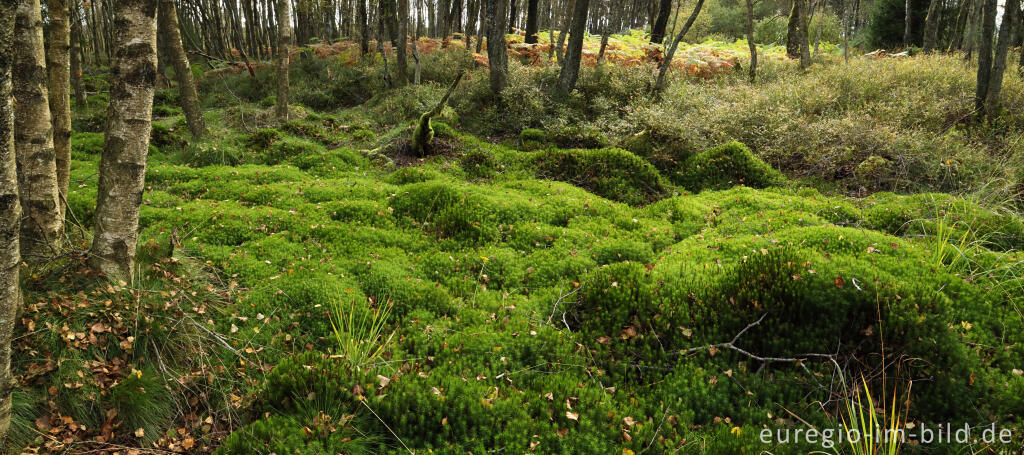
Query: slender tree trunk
471, 22
182, 69
126, 144
817, 33
907, 25
795, 29
10, 216
661, 22
805, 50
58, 67
396, 28
496, 52
532, 20
988, 26
76, 54
1006, 38
570, 6
512, 16
415, 46
931, 27
403, 39
750, 40
974, 28
574, 53
482, 31
33, 138
364, 27
659, 85
284, 44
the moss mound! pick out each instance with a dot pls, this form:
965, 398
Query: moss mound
611, 173
725, 166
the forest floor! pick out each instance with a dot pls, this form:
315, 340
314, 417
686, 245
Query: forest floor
603, 272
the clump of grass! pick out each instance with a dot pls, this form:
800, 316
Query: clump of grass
361, 333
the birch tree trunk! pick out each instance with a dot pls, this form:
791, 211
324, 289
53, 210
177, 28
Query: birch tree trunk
574, 53
931, 27
77, 56
33, 138
284, 44
182, 69
1006, 38
496, 52
10, 217
988, 26
59, 75
750, 40
126, 143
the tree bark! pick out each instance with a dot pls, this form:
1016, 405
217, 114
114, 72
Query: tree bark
661, 22
1006, 38
931, 27
532, 20
574, 53
364, 27
10, 216
182, 69
33, 138
77, 55
570, 6
58, 67
793, 30
988, 26
907, 25
126, 143
284, 44
496, 53
750, 40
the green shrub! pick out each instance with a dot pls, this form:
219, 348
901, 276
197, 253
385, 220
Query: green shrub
611, 173
727, 165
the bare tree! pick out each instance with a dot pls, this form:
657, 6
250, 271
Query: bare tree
1006, 38
532, 21
659, 85
58, 68
284, 44
907, 25
182, 69
574, 53
126, 144
931, 27
33, 138
750, 40
661, 22
10, 217
76, 53
988, 26
497, 55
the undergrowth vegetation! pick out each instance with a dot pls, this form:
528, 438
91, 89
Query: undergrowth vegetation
605, 272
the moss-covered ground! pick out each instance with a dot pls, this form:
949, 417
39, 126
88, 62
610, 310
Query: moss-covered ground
548, 293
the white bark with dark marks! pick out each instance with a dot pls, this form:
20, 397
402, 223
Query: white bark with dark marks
33, 138
10, 217
125, 146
